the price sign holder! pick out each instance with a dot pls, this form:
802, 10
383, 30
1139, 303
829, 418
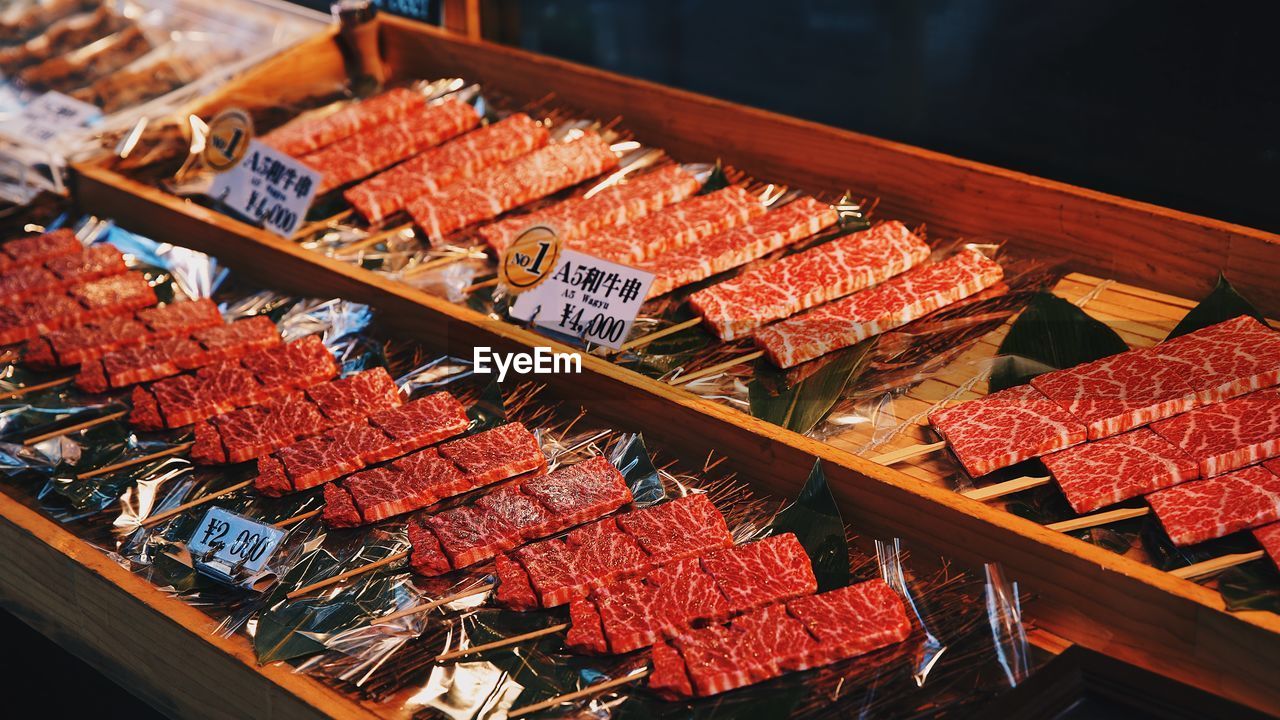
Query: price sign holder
232, 547
269, 187
592, 299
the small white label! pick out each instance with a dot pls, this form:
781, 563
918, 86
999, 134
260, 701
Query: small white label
270, 187
48, 116
233, 544
589, 298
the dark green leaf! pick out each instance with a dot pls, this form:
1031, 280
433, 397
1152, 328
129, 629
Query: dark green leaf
814, 518
801, 405
1051, 334
1221, 304
284, 632
1252, 586
490, 409
717, 180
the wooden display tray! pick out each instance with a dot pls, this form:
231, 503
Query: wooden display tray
1086, 594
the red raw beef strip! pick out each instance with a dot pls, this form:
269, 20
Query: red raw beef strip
308, 134
1228, 435
514, 590
131, 366
339, 507
503, 452
26, 281
1216, 507
536, 175
673, 227
37, 315
1005, 428
687, 526
586, 630
1269, 537
1096, 474
1120, 392
588, 557
97, 261
422, 422
229, 385
577, 493
299, 364
145, 412
404, 486
356, 396
737, 307
208, 447
238, 338
851, 621
293, 416
39, 249
382, 146
1228, 359
458, 159
152, 403
427, 557
758, 573
469, 535
236, 436
727, 250
519, 512
272, 479
621, 203
180, 317
889, 305
339, 451
114, 295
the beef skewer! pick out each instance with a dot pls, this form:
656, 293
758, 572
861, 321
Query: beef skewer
576, 219
536, 175
469, 534
252, 379
59, 273
765, 643
309, 133
387, 193
79, 303
39, 249
426, 477
83, 343
170, 356
377, 148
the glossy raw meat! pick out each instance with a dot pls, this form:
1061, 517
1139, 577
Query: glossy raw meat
505, 451
308, 134
1228, 359
1215, 507
1228, 435
737, 307
687, 526
1096, 474
421, 422
1269, 537
39, 249
1005, 428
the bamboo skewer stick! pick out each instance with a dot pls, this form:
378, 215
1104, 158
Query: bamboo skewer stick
584, 692
893, 457
306, 230
1008, 487
415, 609
299, 518
373, 239
441, 262
1216, 565
504, 642
491, 282
75, 428
705, 372
319, 585
646, 339
134, 461
37, 387
161, 517
1096, 519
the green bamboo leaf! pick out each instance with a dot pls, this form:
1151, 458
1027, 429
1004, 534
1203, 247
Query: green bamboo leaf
1221, 304
1254, 586
802, 405
291, 630
717, 180
489, 411
814, 518
1051, 334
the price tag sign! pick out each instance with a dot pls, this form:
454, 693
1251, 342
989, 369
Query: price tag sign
268, 186
232, 544
48, 116
586, 297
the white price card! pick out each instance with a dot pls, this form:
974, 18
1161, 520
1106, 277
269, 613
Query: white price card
233, 544
48, 116
268, 186
589, 298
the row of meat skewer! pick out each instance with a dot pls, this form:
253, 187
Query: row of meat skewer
657, 220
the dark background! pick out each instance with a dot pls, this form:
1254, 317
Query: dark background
1173, 102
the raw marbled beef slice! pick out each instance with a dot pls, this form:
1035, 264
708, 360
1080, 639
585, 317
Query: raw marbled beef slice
1005, 428
1094, 475
1216, 507
1228, 435
1228, 359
